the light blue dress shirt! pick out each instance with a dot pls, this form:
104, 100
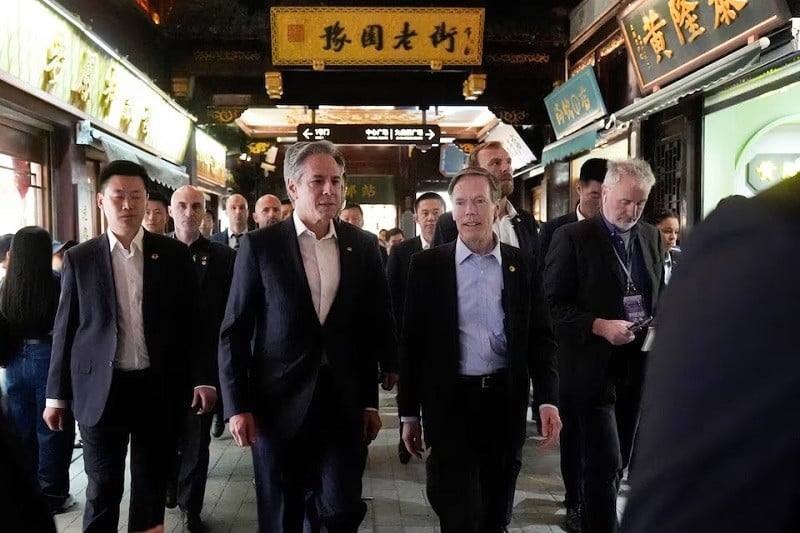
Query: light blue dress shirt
482, 336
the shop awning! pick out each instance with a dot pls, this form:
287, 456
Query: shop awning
160, 170
580, 141
704, 79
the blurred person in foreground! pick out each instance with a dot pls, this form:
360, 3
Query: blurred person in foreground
726, 366
28, 302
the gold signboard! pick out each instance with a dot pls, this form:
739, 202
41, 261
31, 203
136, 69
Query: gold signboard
210, 159
53, 56
376, 36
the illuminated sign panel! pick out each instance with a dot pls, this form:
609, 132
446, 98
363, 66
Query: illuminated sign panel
376, 36
369, 133
667, 39
54, 56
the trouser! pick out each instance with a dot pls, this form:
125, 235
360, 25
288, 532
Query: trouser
49, 452
136, 411
324, 460
190, 472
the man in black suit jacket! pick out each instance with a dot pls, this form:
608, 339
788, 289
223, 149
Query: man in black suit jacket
516, 227
117, 361
603, 274
470, 380
238, 214
590, 182
309, 314
213, 263
725, 367
428, 208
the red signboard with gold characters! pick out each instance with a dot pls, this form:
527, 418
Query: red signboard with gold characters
667, 39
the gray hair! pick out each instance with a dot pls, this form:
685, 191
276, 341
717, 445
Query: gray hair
637, 169
494, 189
297, 154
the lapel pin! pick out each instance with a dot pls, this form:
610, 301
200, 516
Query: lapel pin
512, 268
154, 256
203, 260
349, 248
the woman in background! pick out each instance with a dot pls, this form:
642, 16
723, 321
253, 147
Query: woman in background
669, 227
28, 301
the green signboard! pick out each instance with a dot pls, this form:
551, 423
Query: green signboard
370, 189
667, 39
575, 104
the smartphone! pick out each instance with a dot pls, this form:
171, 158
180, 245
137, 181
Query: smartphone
638, 326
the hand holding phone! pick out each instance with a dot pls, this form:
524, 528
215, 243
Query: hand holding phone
638, 326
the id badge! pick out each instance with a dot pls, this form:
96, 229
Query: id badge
634, 308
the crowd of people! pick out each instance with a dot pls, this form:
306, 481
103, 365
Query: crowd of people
157, 339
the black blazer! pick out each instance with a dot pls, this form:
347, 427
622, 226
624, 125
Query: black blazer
85, 331
524, 225
221, 237
584, 281
271, 341
213, 264
397, 273
550, 227
430, 355
725, 362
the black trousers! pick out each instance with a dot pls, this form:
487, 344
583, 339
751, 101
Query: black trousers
135, 410
190, 471
571, 452
608, 429
323, 462
472, 471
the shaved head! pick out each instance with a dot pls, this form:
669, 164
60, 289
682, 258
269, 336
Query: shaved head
267, 211
187, 208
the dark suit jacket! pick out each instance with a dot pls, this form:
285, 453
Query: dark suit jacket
221, 237
584, 281
431, 351
524, 225
270, 306
213, 263
725, 362
397, 274
550, 227
85, 331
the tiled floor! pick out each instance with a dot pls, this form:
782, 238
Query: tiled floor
395, 492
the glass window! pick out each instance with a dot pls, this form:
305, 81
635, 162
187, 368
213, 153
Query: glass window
22, 194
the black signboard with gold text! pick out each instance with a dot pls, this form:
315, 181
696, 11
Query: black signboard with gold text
667, 39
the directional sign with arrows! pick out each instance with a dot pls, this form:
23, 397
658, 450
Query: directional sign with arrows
370, 133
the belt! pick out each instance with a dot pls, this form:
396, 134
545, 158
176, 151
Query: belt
36, 341
484, 381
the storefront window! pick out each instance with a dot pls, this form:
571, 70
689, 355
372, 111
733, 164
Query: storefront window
22, 194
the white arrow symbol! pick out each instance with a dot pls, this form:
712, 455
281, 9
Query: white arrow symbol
306, 133
430, 134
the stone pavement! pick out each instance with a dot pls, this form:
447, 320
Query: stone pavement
395, 492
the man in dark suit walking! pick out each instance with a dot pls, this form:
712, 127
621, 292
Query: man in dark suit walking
602, 276
213, 263
117, 362
590, 182
428, 208
470, 381
516, 227
308, 316
237, 211
725, 366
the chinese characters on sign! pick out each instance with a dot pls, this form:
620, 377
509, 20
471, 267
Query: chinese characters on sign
666, 38
376, 36
575, 104
370, 189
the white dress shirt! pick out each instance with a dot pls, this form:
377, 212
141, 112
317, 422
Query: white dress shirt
321, 263
578, 212
425, 244
504, 227
128, 270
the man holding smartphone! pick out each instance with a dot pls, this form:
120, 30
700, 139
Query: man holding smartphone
602, 279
